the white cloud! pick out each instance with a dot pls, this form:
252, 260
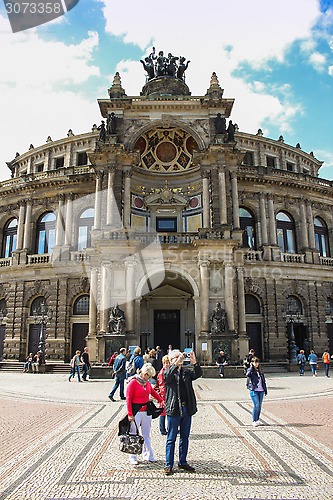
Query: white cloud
318, 61
226, 36
35, 96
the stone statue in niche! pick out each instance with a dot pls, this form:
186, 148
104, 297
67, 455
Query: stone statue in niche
117, 320
112, 124
102, 132
220, 124
219, 320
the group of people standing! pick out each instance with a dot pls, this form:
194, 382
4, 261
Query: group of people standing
171, 385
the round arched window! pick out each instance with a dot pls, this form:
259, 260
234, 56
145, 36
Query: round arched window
285, 231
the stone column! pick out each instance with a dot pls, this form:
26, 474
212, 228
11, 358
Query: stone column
223, 197
304, 228
204, 295
98, 201
229, 274
92, 341
311, 234
205, 199
105, 296
241, 301
130, 294
27, 226
110, 198
20, 227
68, 223
60, 222
263, 219
127, 199
235, 203
272, 222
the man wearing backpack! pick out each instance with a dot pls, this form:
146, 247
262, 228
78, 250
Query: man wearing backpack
120, 373
134, 363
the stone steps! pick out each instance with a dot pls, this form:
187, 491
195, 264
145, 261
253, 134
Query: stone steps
17, 366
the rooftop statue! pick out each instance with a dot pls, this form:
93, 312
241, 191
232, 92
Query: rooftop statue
160, 65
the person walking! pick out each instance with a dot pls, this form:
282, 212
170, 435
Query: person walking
136, 360
160, 388
120, 374
221, 362
327, 361
75, 366
256, 383
86, 363
138, 393
313, 359
180, 407
301, 359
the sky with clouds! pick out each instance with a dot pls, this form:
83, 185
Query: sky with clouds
274, 58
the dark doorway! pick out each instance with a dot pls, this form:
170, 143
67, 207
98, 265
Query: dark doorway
300, 333
167, 328
2, 338
330, 337
34, 335
79, 333
253, 331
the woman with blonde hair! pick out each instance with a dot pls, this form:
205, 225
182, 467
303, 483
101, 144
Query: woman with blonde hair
139, 392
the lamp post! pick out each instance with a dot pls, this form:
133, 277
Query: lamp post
292, 315
3, 320
188, 334
42, 314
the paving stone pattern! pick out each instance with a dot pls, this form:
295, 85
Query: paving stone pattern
59, 441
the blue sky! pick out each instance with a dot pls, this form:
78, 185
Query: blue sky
274, 58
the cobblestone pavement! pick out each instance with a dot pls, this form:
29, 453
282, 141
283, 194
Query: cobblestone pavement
59, 441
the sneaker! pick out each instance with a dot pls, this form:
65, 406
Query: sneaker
168, 471
255, 424
111, 398
123, 398
186, 467
133, 461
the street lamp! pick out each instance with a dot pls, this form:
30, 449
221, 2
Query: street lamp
292, 314
42, 314
188, 334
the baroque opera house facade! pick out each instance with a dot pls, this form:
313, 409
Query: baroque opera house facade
170, 211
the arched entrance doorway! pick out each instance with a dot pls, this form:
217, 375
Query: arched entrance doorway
167, 314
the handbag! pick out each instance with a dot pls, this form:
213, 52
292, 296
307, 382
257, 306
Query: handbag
152, 410
131, 443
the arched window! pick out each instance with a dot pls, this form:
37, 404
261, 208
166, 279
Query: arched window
285, 231
248, 226
81, 306
46, 233
36, 305
252, 305
321, 237
9, 238
294, 306
86, 223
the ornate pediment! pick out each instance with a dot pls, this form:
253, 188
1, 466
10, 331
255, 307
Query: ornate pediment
168, 292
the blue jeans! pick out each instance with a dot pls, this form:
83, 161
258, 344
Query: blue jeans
257, 397
183, 423
327, 369
119, 382
75, 369
301, 368
162, 424
313, 368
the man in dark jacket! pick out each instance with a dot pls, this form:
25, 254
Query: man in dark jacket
180, 406
120, 374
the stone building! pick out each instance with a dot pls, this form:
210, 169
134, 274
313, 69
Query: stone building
204, 235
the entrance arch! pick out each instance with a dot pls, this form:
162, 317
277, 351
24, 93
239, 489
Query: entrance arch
168, 311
